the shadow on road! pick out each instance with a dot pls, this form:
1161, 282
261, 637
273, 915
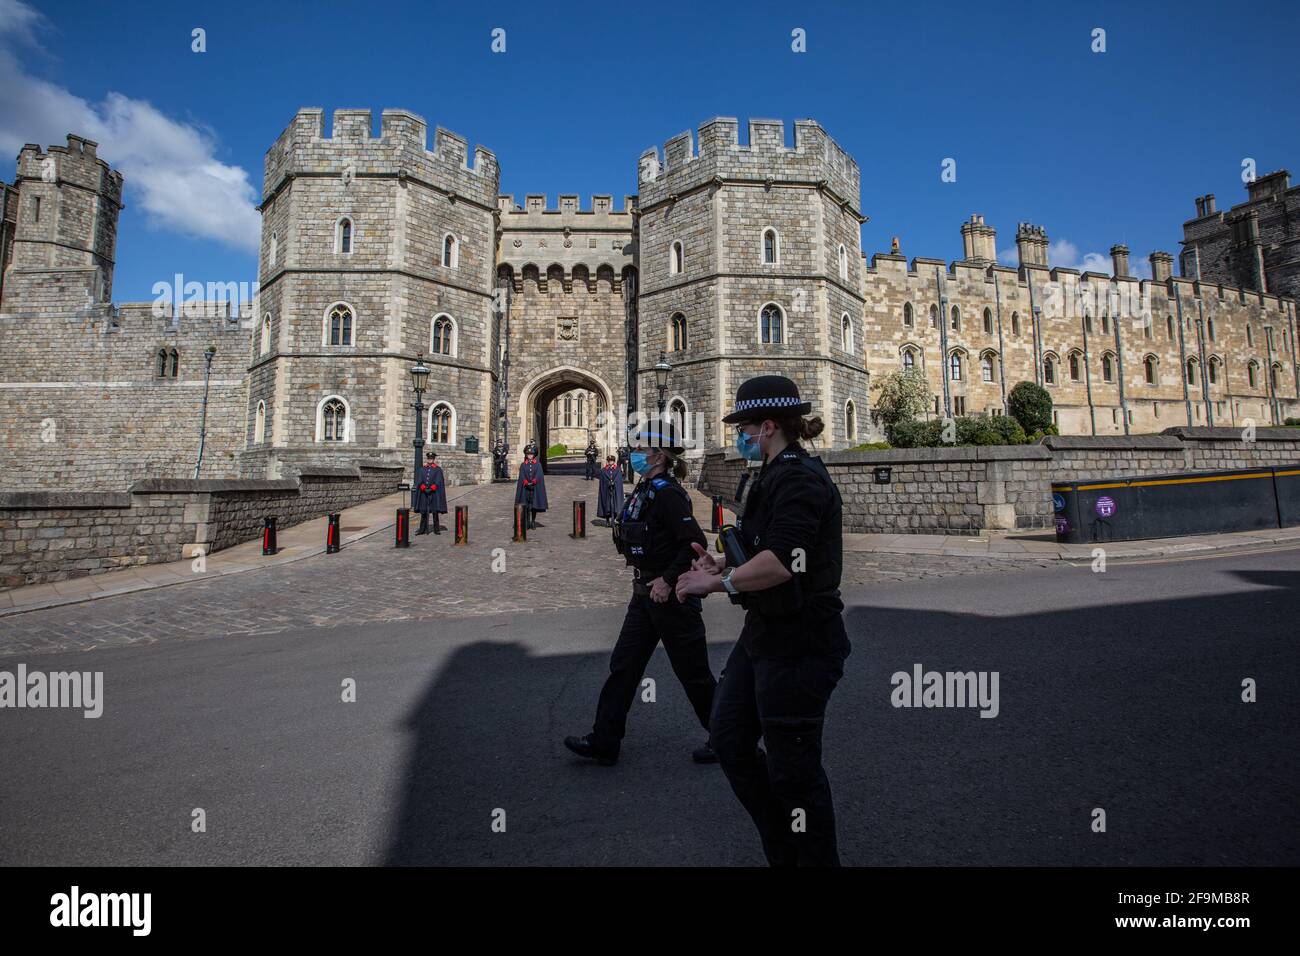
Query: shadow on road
1134, 708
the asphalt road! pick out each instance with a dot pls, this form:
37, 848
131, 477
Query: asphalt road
1119, 690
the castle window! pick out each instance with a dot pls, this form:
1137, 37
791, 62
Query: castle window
259, 424
956, 319
343, 236
1049, 369
772, 325
266, 333
582, 410
678, 328
954, 366
274, 252
846, 333
160, 368
844, 263
568, 410
908, 318
1191, 372
1210, 326
934, 316
909, 360
175, 361
1169, 327
1149, 369
677, 418
332, 420
850, 420
442, 424
1277, 367
1250, 336
450, 252
1075, 367
1015, 323
443, 340
771, 247
1087, 324
338, 324
36, 209
1146, 327
1105, 324
986, 367
988, 322
1108, 367
676, 258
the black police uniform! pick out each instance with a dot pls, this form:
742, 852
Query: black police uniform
654, 532
780, 675
592, 454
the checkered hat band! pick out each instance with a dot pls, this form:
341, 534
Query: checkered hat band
765, 402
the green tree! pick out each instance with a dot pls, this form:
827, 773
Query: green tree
1031, 406
901, 395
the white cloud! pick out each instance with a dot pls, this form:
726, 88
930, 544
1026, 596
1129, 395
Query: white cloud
170, 168
1063, 254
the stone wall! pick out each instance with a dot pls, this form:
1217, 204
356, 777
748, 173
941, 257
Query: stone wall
54, 536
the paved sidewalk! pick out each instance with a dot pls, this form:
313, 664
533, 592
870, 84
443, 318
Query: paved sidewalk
300, 541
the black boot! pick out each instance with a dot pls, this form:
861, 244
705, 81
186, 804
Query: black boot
584, 747
437, 525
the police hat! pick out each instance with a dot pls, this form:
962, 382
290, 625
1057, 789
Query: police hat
658, 435
767, 396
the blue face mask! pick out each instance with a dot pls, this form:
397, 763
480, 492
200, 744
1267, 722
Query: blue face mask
748, 447
640, 462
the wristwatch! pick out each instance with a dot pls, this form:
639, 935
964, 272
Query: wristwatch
726, 583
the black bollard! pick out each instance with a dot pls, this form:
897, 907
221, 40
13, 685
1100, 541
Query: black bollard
332, 535
717, 514
579, 519
521, 523
462, 524
403, 528
268, 535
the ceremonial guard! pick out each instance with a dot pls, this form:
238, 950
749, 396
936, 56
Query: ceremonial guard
655, 532
790, 656
430, 494
530, 487
611, 491
592, 456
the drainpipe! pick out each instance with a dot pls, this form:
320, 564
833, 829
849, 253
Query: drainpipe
943, 345
1182, 358
1033, 317
1119, 364
1087, 373
1272, 394
1205, 372
1002, 375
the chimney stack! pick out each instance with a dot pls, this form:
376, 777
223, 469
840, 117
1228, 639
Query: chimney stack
1200, 206
979, 240
1031, 244
1209, 204
1162, 266
1119, 260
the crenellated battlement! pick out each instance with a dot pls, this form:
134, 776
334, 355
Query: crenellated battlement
401, 148
537, 211
688, 160
78, 163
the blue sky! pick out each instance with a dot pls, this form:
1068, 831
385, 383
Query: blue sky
1099, 148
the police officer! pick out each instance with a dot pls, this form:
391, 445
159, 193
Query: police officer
655, 532
780, 675
592, 455
500, 455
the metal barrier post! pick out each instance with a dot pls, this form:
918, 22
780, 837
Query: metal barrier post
462, 524
332, 535
268, 535
403, 528
579, 519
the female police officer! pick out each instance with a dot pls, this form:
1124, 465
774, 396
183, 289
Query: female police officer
655, 532
791, 651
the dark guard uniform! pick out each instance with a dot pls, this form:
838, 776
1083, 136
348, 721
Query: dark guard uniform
500, 466
787, 662
592, 455
430, 496
654, 532
611, 493
530, 489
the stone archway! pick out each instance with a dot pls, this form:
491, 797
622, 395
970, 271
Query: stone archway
535, 398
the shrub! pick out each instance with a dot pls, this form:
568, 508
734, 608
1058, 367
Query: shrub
555, 451
1031, 406
967, 430
1293, 422
900, 397
871, 446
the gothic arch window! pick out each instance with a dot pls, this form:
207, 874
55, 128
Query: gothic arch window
1049, 369
956, 319
771, 249
582, 410
844, 262
1146, 327
850, 420
988, 368
1087, 323
1209, 325
677, 417
954, 366
677, 328
1149, 369
1105, 324
568, 411
846, 333
1076, 366
266, 334
988, 322
909, 360
1108, 367
1169, 327
771, 322
1191, 373
1252, 373
339, 321
442, 424
343, 236
934, 316
259, 424
908, 317
160, 363
273, 254
676, 258
442, 338
1250, 336
1015, 323
450, 252
174, 363
1277, 368
333, 420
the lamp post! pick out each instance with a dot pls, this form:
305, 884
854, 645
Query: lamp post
419, 379
208, 355
662, 371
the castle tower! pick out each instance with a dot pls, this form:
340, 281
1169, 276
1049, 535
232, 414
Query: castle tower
65, 231
750, 262
375, 249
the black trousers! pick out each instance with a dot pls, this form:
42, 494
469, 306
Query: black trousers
681, 628
783, 700
591, 470
424, 522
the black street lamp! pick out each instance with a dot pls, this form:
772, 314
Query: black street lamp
208, 355
662, 371
419, 379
